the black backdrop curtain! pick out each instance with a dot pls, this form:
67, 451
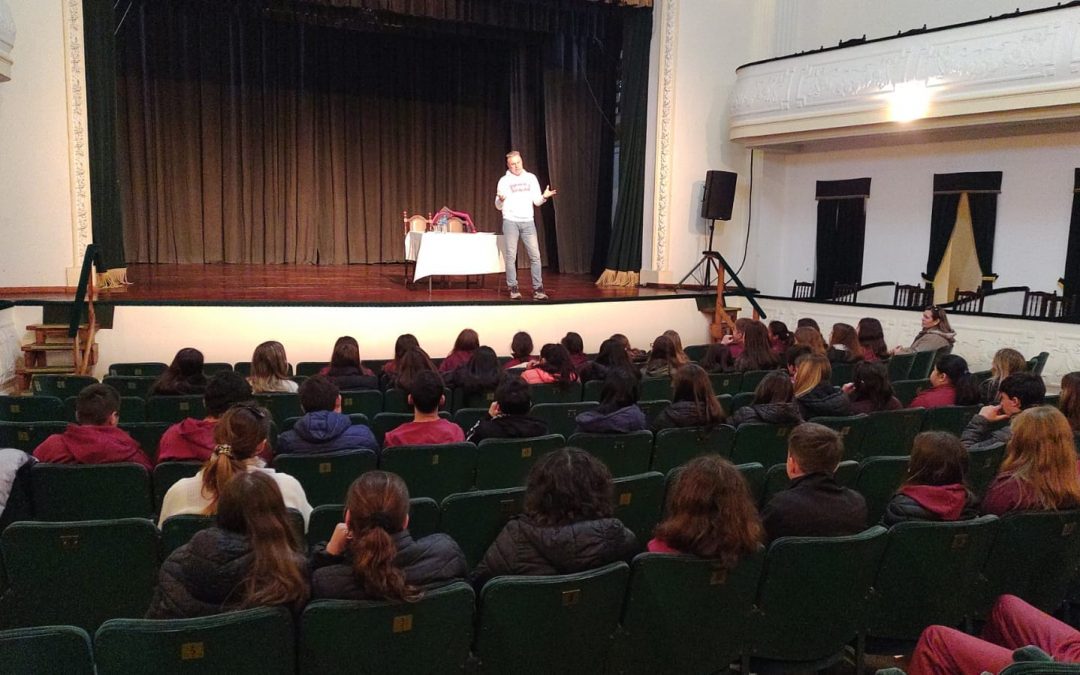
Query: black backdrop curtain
841, 233
1071, 280
249, 135
982, 188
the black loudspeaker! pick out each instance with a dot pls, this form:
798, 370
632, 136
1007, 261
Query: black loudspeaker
719, 195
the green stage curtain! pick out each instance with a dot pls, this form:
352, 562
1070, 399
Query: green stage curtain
624, 249
99, 26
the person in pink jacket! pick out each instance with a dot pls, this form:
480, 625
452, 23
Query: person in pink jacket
96, 439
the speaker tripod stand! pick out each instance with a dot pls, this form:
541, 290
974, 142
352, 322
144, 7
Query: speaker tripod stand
709, 263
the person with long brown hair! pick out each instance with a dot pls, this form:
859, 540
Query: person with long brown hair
811, 337
757, 352
844, 344
872, 339
183, 377
663, 360
554, 367
252, 557
936, 334
951, 383
521, 351
568, 524
1070, 399
676, 340
1039, 472
870, 389
270, 369
466, 343
774, 403
345, 369
814, 392
1006, 362
240, 436
780, 337
693, 402
413, 362
372, 555
934, 487
709, 514
404, 343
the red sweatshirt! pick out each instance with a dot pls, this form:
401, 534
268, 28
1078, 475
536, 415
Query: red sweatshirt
935, 397
91, 444
190, 439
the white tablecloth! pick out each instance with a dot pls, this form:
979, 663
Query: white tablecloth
439, 253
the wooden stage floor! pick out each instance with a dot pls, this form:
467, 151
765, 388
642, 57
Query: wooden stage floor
380, 284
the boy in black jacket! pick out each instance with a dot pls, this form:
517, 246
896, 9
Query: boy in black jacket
509, 416
814, 505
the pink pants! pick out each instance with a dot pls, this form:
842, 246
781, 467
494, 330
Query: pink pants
1013, 624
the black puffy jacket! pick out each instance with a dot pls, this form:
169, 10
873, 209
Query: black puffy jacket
824, 400
507, 426
681, 414
426, 562
204, 576
784, 414
523, 547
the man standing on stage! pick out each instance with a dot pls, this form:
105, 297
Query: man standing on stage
517, 194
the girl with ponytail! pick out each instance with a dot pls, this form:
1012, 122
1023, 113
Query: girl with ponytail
951, 383
240, 435
372, 556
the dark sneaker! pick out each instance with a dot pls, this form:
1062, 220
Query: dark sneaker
539, 294
515, 294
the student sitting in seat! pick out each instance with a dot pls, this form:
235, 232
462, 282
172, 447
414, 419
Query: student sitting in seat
1018, 392
1039, 471
508, 416
554, 367
575, 347
183, 377
1006, 362
372, 556
521, 347
612, 356
663, 360
404, 343
693, 403
346, 370
812, 338
96, 439
481, 374
709, 514
466, 343
240, 435
618, 412
567, 525
870, 389
427, 428
814, 505
814, 392
951, 383
323, 428
193, 439
250, 558
1070, 399
934, 487
872, 339
844, 344
774, 403
413, 362
270, 370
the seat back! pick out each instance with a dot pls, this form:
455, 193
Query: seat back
147, 369
554, 393
432, 635
639, 501
752, 378
258, 641
754, 475
743, 398
166, 474
474, 519
906, 390
762, 443
655, 388
211, 367
326, 477
505, 462
31, 409
560, 417
724, 383
696, 352
802, 621
579, 613
281, 406
950, 418
842, 373
179, 529
79, 574
309, 368
900, 366
1040, 362
433, 470
923, 364
49, 649
983, 465
624, 454
146, 434
366, 401
388, 421
652, 409
173, 409
1035, 557
466, 418
888, 433
852, 430
473, 399
877, 481
90, 491
686, 615
60, 386
130, 385
677, 446
27, 436
920, 560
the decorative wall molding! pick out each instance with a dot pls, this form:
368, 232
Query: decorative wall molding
665, 131
977, 337
78, 147
7, 40
1016, 70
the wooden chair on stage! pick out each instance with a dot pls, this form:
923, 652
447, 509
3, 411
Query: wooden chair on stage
968, 301
414, 223
802, 289
912, 297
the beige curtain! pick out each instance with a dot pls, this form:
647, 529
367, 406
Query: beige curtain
960, 266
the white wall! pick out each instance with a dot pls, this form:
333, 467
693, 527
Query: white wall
35, 202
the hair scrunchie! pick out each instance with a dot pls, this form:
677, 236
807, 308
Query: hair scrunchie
383, 520
223, 449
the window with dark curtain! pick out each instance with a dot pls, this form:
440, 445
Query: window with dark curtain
841, 233
1071, 281
962, 223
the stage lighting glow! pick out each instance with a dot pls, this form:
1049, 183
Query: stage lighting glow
909, 101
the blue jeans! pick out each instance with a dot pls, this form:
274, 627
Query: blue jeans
526, 231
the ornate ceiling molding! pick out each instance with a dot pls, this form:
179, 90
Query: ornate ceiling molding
1016, 71
7, 40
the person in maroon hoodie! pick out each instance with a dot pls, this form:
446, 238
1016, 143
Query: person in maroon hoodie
951, 383
193, 439
934, 487
574, 344
467, 342
96, 439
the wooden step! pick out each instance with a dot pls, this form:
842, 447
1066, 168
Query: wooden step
50, 347
47, 370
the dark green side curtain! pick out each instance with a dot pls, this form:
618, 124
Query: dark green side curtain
624, 247
841, 233
982, 188
99, 26
1071, 280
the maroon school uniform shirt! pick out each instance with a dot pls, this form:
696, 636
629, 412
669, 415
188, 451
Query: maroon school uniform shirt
424, 433
91, 444
454, 361
935, 397
188, 440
